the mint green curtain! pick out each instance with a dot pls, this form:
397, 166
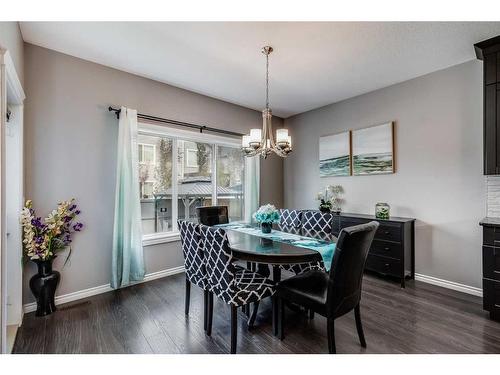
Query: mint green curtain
127, 256
252, 186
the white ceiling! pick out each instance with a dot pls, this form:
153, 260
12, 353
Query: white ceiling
313, 63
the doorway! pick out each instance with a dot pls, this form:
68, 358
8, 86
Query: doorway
11, 146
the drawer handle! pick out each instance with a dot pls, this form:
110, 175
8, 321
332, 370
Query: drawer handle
387, 232
496, 271
387, 265
497, 305
387, 249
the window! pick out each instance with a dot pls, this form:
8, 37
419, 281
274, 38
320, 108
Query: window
191, 158
230, 181
182, 170
155, 183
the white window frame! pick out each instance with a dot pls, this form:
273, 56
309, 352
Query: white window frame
191, 151
186, 135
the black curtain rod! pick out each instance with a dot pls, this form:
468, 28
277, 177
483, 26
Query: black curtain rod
201, 128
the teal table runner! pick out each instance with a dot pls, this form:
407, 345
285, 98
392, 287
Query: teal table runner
325, 248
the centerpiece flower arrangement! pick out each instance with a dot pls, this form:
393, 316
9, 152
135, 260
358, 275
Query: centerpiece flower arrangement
267, 215
42, 241
330, 199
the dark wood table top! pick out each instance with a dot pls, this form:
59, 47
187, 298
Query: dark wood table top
252, 248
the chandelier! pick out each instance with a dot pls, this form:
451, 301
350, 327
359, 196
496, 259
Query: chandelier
261, 141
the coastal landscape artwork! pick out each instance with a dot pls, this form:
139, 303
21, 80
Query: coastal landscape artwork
372, 150
335, 155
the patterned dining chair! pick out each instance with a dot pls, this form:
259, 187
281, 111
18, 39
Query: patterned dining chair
317, 221
194, 264
233, 285
290, 218
291, 221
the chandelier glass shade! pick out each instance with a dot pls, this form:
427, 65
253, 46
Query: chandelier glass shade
262, 141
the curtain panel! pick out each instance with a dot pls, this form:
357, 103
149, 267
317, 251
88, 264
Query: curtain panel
127, 255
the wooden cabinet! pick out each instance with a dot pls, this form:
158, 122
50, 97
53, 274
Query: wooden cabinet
393, 249
491, 266
489, 52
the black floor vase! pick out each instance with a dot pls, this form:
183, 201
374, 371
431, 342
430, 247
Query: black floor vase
43, 286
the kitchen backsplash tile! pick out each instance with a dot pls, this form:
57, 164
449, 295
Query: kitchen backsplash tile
493, 196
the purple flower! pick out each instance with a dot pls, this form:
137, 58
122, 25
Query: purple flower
67, 219
77, 212
72, 207
37, 222
78, 227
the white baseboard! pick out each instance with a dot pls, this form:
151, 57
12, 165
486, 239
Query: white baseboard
449, 284
70, 297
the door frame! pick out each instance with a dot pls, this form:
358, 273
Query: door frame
11, 88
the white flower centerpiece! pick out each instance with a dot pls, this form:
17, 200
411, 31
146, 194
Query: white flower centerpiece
267, 215
330, 199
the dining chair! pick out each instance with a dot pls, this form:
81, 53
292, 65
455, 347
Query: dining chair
235, 286
212, 215
290, 218
194, 264
291, 222
317, 221
336, 293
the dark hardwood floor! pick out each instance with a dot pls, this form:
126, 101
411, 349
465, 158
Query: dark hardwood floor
149, 318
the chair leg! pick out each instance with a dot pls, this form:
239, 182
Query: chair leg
281, 318
251, 321
275, 315
188, 294
210, 312
359, 326
311, 314
205, 308
234, 328
331, 335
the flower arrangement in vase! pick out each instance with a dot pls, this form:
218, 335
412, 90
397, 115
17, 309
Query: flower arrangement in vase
330, 199
267, 215
42, 241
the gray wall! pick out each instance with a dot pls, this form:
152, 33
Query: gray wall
439, 176
12, 40
70, 151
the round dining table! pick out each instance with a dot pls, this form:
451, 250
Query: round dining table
271, 250
284, 245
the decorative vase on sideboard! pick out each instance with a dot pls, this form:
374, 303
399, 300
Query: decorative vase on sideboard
43, 286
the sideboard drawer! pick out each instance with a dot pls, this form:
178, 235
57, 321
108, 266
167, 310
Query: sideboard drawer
349, 222
491, 236
491, 262
387, 249
388, 232
491, 296
384, 265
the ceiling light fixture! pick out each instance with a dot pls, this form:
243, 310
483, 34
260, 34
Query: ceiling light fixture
261, 141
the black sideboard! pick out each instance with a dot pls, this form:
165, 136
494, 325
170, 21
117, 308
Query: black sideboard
393, 249
491, 266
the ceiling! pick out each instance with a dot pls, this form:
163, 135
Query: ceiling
313, 63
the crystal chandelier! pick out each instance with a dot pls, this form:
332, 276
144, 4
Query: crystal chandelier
261, 141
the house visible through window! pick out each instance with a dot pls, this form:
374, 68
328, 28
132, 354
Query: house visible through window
176, 175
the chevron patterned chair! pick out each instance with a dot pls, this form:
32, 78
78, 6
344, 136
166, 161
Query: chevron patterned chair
194, 263
235, 286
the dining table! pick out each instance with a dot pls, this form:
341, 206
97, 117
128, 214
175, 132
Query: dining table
282, 246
